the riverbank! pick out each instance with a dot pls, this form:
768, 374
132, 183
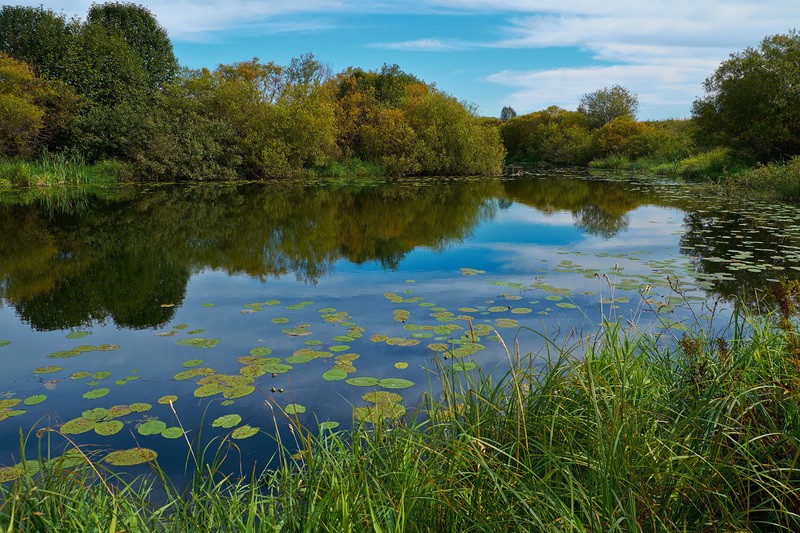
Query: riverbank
619, 432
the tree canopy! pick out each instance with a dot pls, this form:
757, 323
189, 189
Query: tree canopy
604, 105
752, 101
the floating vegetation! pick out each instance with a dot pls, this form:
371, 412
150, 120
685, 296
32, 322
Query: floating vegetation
506, 323
78, 335
244, 432
328, 425
118, 411
195, 331
76, 426
299, 331
211, 389
554, 298
471, 271
340, 348
227, 421
280, 320
193, 373
180, 327
401, 365
382, 397
239, 391
334, 374
167, 399
4, 343
521, 310
362, 382
35, 399
151, 427
96, 393
380, 411
198, 342
47, 369
261, 351
108, 428
298, 306
565, 305
192, 362
103, 374
395, 383
294, 409
140, 407
130, 457
464, 366
96, 414
173, 432
208, 304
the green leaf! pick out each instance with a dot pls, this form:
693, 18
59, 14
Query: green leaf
130, 457
151, 427
227, 421
198, 342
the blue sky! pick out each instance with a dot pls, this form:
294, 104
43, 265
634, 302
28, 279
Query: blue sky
525, 53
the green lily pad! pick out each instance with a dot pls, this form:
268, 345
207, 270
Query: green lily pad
96, 393
276, 368
261, 351
118, 411
10, 473
76, 426
108, 428
565, 305
209, 304
195, 331
334, 374
47, 369
211, 389
227, 421
471, 271
78, 335
64, 354
35, 399
401, 365
239, 391
328, 425
173, 432
103, 374
362, 381
382, 396
140, 407
192, 362
339, 348
506, 323
166, 399
280, 320
300, 359
151, 427
294, 409
375, 413
193, 373
96, 414
9, 403
198, 342
130, 457
4, 343
80, 375
244, 432
395, 383
464, 366
521, 310
554, 298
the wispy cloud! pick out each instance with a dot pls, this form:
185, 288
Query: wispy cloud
427, 45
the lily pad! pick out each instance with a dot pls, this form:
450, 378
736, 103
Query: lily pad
401, 365
76, 426
140, 407
239, 391
110, 427
198, 342
103, 374
362, 381
464, 366
294, 409
334, 374
96, 414
4, 343
64, 354
209, 304
227, 421
261, 351
211, 389
192, 362
151, 427
244, 432
47, 369
382, 396
35, 399
565, 305
9, 403
395, 383
96, 393
166, 399
130, 457
173, 432
280, 320
79, 375
78, 335
328, 425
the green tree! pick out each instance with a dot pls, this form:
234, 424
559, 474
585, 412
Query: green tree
38, 36
604, 105
752, 101
507, 113
137, 25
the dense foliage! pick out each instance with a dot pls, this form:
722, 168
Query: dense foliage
122, 96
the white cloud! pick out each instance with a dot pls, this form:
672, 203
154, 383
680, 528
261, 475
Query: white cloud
426, 45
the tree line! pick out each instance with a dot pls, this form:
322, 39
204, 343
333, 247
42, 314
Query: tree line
749, 114
110, 87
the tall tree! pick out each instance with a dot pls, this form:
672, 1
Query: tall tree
139, 28
752, 101
507, 113
38, 36
604, 105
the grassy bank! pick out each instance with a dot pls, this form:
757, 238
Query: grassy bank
614, 434
58, 170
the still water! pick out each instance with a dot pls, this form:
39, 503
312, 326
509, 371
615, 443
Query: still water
129, 315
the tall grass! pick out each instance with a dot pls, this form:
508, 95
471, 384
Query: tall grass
615, 433
53, 169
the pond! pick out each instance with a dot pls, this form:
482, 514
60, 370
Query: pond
149, 315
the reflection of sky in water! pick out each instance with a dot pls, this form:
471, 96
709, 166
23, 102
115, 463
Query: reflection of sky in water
520, 245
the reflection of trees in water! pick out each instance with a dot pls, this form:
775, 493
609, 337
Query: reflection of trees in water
123, 259
598, 207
